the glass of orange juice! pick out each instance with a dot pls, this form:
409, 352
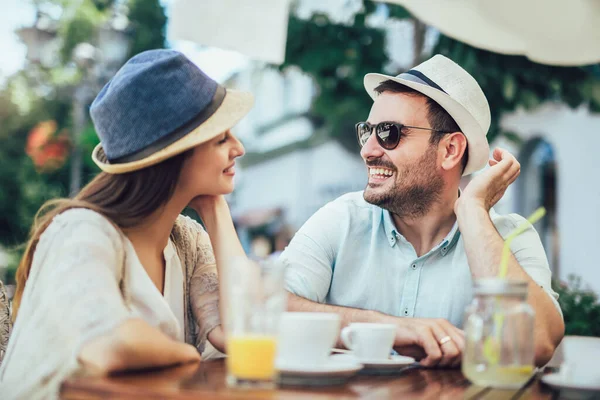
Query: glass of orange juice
254, 302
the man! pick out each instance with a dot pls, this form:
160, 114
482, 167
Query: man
407, 249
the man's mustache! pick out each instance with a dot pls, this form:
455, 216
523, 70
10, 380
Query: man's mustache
380, 163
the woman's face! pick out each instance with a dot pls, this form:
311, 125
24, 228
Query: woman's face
210, 168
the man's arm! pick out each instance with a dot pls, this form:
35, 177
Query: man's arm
483, 246
310, 257
415, 337
348, 315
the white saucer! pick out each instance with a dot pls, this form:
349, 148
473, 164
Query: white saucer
570, 389
392, 364
333, 367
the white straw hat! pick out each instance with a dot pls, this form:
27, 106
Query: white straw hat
455, 90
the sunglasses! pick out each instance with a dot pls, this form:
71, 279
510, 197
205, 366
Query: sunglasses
388, 133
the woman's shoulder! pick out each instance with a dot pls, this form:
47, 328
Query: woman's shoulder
82, 221
190, 237
187, 229
83, 216
186, 223
79, 235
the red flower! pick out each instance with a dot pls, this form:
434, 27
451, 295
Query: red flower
46, 148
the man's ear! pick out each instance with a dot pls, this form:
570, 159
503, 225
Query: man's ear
453, 147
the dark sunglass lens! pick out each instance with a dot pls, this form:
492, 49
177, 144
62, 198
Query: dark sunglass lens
388, 135
363, 130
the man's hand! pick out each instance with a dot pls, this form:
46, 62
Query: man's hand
427, 340
415, 337
489, 186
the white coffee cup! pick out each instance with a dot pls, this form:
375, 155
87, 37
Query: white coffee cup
369, 340
581, 355
306, 339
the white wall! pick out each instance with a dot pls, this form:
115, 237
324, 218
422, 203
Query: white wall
575, 136
278, 96
300, 182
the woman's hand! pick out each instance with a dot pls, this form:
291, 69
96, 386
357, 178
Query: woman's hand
207, 205
214, 211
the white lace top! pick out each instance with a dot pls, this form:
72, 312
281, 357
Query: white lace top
84, 281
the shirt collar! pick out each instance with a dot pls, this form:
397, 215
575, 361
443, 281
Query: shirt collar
393, 235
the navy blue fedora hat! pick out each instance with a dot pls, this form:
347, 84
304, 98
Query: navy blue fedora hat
160, 104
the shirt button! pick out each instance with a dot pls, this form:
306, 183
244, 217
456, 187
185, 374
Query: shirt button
414, 266
406, 311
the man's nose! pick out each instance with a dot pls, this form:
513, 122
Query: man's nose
371, 149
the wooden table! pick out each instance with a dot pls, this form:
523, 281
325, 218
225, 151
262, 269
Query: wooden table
207, 381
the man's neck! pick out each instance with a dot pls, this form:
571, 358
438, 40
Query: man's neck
425, 232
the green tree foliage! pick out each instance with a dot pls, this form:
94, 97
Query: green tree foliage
23, 189
337, 56
79, 28
103, 5
37, 94
149, 24
512, 82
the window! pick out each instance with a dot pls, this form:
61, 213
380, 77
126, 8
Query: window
537, 186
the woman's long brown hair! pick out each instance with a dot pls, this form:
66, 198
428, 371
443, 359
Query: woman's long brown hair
124, 199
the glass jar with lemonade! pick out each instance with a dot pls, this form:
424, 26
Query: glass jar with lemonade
254, 302
499, 335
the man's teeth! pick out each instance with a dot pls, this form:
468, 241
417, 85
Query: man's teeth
380, 171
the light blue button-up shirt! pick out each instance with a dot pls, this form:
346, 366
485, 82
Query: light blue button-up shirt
349, 253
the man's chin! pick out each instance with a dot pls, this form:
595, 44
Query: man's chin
371, 196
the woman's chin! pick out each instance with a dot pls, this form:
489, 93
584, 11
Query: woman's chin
225, 190
229, 189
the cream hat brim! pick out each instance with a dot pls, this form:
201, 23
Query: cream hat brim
234, 107
478, 146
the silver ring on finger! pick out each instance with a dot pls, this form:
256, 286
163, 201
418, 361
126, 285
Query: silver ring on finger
445, 340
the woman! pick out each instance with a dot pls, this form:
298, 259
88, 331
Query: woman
116, 278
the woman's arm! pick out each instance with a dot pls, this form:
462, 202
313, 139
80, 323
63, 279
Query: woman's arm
216, 337
135, 345
77, 284
204, 299
204, 292
226, 245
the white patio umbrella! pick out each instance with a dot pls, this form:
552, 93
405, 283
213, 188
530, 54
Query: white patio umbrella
555, 32
257, 29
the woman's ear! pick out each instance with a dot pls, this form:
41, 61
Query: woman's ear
453, 148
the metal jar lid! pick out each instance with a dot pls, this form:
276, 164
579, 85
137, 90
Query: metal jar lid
498, 286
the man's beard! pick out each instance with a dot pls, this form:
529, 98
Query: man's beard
414, 190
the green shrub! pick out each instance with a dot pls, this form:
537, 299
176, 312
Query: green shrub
580, 307
11, 270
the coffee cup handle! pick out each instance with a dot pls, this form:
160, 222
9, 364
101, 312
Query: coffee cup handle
346, 336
